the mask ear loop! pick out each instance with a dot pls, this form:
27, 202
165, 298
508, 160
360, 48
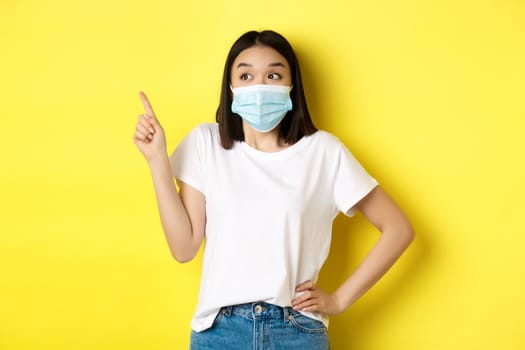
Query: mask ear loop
232, 94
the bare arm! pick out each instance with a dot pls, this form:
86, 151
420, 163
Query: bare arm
396, 236
182, 214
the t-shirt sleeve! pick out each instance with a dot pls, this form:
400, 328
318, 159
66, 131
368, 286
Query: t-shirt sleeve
187, 160
352, 182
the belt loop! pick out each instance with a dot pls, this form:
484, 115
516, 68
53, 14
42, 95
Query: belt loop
286, 313
227, 310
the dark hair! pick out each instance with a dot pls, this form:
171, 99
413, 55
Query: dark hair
297, 122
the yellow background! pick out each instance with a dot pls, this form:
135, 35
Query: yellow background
429, 96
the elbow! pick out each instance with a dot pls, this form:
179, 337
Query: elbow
402, 232
411, 236
182, 260
182, 257
408, 233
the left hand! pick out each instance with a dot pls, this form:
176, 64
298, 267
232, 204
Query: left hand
315, 299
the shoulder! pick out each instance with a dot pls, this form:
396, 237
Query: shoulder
205, 132
325, 140
330, 146
206, 129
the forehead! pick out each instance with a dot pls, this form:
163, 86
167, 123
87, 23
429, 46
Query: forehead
259, 56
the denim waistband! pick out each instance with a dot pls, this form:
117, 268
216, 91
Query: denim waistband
259, 309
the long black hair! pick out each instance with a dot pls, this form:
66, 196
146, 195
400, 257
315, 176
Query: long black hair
297, 122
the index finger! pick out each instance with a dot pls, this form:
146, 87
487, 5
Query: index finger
147, 105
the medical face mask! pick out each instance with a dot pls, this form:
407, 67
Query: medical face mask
262, 106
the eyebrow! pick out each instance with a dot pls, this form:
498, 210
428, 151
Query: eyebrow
274, 64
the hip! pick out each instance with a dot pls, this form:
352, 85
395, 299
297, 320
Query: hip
261, 326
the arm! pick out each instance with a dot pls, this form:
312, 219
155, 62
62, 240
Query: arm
183, 214
396, 236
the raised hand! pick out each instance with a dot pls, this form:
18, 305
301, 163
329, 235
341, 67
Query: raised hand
149, 134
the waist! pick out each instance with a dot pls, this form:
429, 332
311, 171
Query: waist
259, 309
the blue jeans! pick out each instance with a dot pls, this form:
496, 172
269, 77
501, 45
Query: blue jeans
261, 326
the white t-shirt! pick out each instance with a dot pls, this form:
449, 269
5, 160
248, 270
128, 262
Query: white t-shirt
268, 215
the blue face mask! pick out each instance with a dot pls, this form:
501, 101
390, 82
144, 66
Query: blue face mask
262, 106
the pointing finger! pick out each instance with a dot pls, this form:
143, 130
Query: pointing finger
147, 105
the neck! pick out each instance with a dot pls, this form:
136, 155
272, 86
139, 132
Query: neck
263, 141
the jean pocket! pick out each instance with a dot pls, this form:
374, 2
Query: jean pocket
306, 324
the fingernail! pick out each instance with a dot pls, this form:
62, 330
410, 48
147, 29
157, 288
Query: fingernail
151, 130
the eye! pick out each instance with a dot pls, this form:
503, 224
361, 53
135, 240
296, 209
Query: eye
245, 76
274, 76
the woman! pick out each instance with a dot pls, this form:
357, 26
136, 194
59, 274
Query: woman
263, 185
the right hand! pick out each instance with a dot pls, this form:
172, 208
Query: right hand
149, 134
